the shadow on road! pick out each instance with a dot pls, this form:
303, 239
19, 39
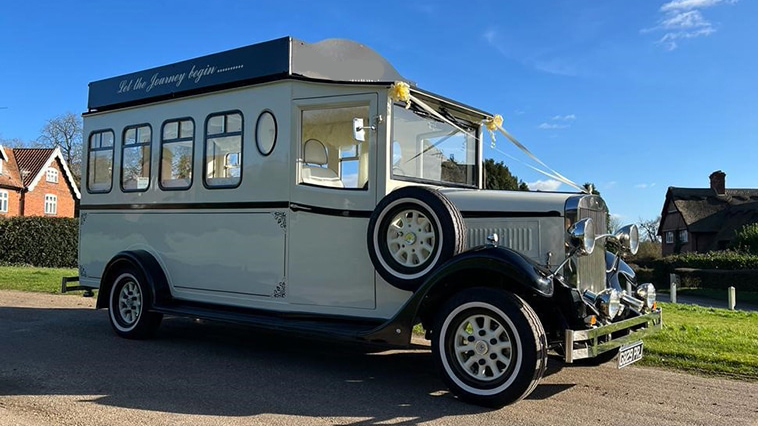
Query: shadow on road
197, 367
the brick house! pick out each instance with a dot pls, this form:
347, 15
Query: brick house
36, 182
705, 219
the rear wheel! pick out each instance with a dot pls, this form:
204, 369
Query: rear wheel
129, 305
489, 346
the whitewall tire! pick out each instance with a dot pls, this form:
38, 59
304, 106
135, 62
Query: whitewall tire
489, 346
411, 232
129, 305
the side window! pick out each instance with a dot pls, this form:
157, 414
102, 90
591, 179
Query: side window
223, 150
177, 146
135, 158
331, 155
51, 204
100, 163
3, 201
51, 175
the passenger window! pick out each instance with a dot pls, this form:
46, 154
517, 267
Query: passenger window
100, 164
177, 145
331, 156
223, 150
135, 159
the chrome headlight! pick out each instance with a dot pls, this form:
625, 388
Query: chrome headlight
646, 293
582, 236
609, 302
629, 238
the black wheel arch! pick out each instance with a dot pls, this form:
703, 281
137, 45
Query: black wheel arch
484, 266
143, 260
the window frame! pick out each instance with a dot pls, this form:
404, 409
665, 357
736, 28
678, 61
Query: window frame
669, 237
90, 150
53, 202
475, 129
54, 174
206, 137
4, 200
149, 144
683, 237
175, 140
276, 131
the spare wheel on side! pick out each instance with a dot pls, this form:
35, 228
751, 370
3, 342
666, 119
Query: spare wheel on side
412, 231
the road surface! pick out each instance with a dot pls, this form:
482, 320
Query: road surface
62, 365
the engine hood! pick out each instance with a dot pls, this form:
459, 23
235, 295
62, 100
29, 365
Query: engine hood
503, 203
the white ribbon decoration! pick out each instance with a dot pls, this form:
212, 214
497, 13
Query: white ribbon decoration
400, 91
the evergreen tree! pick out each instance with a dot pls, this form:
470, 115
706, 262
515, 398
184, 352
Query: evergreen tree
497, 176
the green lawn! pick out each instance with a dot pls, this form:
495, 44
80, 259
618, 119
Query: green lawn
706, 340
27, 278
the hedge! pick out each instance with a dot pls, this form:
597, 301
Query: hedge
39, 241
741, 280
717, 269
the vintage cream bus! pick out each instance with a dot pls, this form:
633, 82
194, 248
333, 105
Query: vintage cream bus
288, 186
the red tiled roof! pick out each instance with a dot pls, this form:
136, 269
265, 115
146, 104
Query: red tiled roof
30, 161
10, 177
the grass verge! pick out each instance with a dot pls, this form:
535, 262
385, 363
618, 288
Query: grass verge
704, 340
30, 278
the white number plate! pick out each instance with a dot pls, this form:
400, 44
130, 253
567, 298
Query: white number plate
630, 353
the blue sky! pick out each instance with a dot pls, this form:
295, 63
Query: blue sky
632, 95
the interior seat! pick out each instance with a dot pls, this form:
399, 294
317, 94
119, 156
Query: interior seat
315, 167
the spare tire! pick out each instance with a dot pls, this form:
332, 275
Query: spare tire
412, 231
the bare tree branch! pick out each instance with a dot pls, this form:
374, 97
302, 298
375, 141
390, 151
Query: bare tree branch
65, 132
649, 229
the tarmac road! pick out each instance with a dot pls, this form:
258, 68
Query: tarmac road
62, 365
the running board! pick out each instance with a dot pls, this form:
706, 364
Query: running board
339, 328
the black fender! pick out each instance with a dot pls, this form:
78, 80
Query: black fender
521, 275
143, 260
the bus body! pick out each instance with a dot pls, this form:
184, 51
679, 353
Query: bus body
286, 186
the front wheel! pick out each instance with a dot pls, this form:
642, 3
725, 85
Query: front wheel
129, 304
489, 346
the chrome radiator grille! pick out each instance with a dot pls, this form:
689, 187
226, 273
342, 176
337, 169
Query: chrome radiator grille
590, 272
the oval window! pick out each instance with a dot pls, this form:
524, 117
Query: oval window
265, 132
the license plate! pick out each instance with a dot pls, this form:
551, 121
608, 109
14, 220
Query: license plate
630, 353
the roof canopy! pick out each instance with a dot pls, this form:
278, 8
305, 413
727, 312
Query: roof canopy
337, 60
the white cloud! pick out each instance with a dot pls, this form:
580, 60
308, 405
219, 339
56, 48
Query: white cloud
682, 19
551, 126
692, 4
609, 185
541, 61
644, 185
564, 117
544, 185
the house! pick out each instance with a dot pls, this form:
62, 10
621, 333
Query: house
36, 182
705, 219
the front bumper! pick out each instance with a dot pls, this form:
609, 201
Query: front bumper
590, 343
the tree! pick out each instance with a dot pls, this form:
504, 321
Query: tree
746, 239
497, 176
649, 229
65, 132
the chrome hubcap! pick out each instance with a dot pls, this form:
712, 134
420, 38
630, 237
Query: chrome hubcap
483, 348
411, 238
130, 302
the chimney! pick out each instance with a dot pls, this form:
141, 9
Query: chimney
718, 182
